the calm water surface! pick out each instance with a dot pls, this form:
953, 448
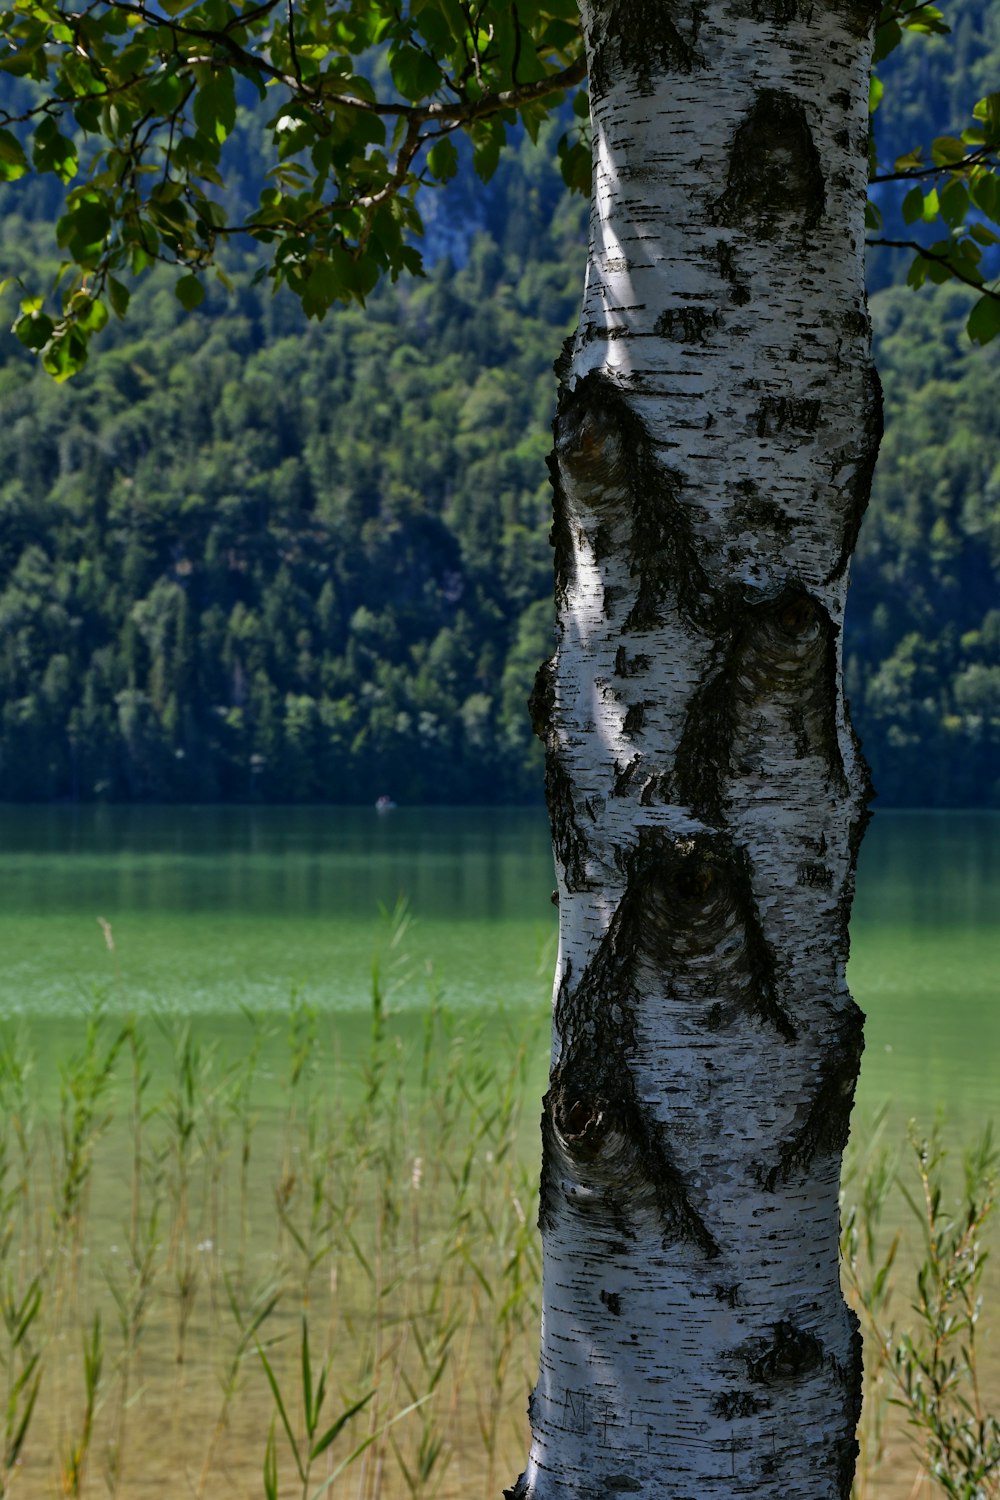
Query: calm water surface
215, 908
211, 910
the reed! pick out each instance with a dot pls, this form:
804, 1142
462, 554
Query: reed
280, 1271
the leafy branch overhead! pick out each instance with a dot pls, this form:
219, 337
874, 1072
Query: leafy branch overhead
131, 107
954, 181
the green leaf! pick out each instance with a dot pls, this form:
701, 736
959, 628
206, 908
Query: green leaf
189, 292
322, 1443
52, 152
34, 330
954, 202
414, 73
65, 354
13, 162
946, 150
984, 320
911, 161
215, 105
985, 193
913, 206
283, 1414
575, 164
876, 89
931, 206
88, 312
442, 160
987, 110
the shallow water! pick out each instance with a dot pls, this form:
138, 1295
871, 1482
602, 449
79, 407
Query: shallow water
212, 911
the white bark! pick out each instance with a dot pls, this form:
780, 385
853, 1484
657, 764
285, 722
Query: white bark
718, 426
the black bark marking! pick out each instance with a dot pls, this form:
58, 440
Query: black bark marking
568, 842
851, 1375
791, 1354
775, 184
818, 876
825, 1119
739, 291
781, 652
687, 325
635, 717
563, 362
760, 513
542, 702
625, 776
778, 414
700, 924
858, 491
641, 39
630, 666
613, 1302
657, 789
731, 1404
606, 453
519, 1490
560, 535
621, 1484
594, 1121
858, 15
778, 12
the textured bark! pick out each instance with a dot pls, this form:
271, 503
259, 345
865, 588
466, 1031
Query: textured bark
718, 425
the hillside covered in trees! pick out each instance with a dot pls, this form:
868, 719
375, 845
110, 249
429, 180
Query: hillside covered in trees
243, 557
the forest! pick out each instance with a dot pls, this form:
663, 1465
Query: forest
244, 557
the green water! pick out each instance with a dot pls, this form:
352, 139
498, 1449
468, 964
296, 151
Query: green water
215, 908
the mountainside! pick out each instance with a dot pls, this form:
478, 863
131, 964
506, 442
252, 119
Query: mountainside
243, 557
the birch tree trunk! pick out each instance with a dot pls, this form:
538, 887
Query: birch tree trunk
718, 425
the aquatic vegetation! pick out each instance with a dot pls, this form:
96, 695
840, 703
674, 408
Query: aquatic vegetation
278, 1270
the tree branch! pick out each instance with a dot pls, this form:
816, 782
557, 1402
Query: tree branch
940, 260
973, 159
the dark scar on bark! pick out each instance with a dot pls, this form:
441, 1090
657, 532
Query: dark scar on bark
593, 1118
568, 842
683, 898
630, 666
687, 325
858, 491
542, 700
777, 414
855, 834
789, 1354
625, 776
786, 644
692, 898
560, 533
824, 1122
775, 181
730, 1404
846, 1447
642, 38
594, 1122
603, 446
519, 1489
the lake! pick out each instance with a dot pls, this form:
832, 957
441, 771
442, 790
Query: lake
211, 909
261, 1150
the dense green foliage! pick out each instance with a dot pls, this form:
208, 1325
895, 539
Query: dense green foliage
134, 110
243, 557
